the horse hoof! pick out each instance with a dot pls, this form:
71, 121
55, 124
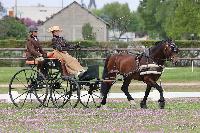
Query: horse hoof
132, 104
162, 105
99, 106
143, 105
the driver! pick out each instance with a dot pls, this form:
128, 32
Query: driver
59, 44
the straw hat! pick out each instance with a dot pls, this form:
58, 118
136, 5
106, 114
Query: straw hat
54, 28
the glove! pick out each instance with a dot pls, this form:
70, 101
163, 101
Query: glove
39, 59
44, 55
77, 47
59, 47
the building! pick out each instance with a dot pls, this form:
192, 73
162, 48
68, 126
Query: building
39, 12
71, 19
127, 37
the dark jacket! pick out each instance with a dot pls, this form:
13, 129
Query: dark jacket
60, 44
33, 48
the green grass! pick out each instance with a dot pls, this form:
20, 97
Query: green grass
177, 74
181, 74
7, 73
180, 115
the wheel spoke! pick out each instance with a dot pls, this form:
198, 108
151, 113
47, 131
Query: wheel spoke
22, 83
88, 100
97, 96
20, 95
24, 99
29, 87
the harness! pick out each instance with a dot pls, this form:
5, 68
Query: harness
148, 68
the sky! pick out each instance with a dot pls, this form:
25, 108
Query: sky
133, 4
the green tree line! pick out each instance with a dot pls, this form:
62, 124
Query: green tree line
178, 19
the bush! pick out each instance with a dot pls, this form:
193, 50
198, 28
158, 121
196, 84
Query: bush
12, 28
13, 43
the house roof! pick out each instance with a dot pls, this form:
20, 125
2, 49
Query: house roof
80, 7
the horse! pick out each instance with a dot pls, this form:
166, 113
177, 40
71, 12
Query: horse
146, 67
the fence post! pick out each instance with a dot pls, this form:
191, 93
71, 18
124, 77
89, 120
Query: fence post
192, 65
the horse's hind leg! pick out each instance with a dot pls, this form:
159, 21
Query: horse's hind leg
143, 102
124, 88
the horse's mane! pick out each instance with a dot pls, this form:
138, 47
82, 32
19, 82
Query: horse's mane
158, 42
157, 45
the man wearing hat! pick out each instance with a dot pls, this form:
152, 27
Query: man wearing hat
34, 50
59, 44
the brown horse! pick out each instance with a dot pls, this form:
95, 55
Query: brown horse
146, 67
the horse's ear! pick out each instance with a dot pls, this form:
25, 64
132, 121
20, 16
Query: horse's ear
169, 39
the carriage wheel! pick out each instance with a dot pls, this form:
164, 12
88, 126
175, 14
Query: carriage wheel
90, 94
65, 92
28, 87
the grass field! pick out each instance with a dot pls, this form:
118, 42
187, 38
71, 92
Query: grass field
180, 115
176, 74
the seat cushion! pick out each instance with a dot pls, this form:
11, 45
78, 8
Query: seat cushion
31, 62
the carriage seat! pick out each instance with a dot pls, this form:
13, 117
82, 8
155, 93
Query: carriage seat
31, 62
35, 62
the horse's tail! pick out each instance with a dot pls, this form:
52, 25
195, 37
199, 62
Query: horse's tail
105, 69
104, 85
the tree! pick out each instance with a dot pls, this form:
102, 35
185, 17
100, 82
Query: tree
119, 17
186, 20
12, 28
136, 23
179, 19
164, 16
28, 22
147, 10
87, 32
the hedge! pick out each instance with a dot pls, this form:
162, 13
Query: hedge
12, 43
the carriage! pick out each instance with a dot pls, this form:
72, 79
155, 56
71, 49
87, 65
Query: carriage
29, 84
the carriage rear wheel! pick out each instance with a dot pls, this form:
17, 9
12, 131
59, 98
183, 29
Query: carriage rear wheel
28, 87
90, 94
65, 92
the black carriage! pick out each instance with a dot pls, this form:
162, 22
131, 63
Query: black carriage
29, 86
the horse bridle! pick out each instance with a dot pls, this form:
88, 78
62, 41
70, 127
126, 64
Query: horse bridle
173, 49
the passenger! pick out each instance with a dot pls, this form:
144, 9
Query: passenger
34, 50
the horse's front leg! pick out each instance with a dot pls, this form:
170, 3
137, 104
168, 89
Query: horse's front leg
105, 87
162, 99
143, 102
149, 81
124, 88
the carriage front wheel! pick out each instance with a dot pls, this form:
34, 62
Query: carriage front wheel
28, 87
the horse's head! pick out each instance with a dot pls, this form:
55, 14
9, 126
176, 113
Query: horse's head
170, 50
